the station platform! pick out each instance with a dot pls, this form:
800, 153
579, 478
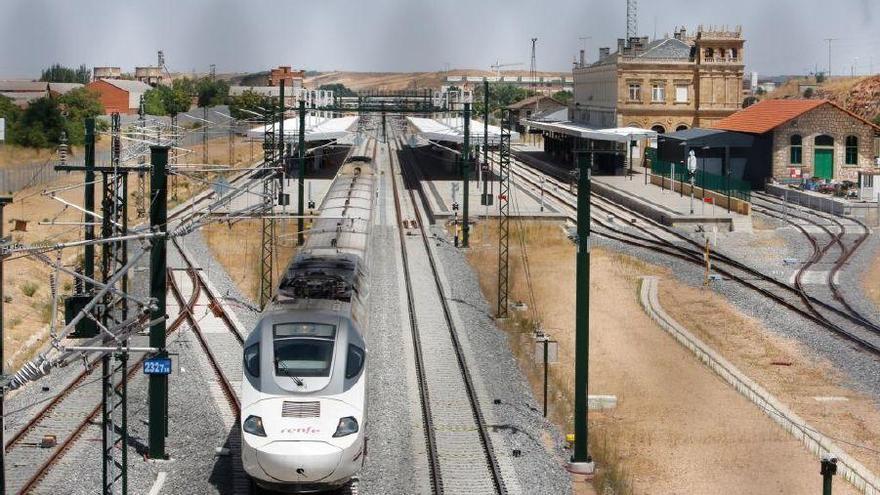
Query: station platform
666, 206
659, 203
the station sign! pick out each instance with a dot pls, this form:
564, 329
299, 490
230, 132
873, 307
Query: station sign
157, 366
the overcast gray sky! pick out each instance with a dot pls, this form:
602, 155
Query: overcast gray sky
783, 36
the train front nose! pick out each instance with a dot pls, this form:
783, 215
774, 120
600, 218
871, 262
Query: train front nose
299, 461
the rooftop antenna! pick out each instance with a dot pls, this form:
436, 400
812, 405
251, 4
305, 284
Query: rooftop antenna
632, 19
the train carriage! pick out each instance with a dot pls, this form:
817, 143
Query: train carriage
305, 363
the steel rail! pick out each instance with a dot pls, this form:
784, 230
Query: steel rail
492, 461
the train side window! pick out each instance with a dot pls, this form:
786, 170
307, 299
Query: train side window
355, 361
252, 360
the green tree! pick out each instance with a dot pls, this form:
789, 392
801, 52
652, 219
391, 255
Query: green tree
563, 96
212, 92
500, 96
10, 112
808, 93
167, 100
77, 105
41, 124
877, 119
153, 103
245, 105
338, 89
59, 73
820, 78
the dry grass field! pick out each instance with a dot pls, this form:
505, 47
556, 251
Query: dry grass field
28, 310
677, 427
238, 248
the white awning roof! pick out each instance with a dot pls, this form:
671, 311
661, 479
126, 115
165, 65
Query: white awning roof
452, 130
617, 134
317, 128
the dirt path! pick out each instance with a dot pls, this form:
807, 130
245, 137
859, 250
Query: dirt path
677, 429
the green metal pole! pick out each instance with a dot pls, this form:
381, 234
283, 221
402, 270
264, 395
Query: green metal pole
828, 470
4, 200
582, 311
466, 175
89, 255
158, 384
301, 184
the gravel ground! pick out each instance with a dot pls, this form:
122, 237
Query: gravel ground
517, 418
862, 369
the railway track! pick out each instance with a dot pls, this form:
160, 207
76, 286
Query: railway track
460, 454
66, 417
641, 231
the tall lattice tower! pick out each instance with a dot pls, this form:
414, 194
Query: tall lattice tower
632, 19
533, 72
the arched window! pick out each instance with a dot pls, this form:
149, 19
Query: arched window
852, 150
710, 53
797, 150
824, 140
659, 129
681, 127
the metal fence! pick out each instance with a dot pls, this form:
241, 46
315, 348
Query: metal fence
18, 177
732, 186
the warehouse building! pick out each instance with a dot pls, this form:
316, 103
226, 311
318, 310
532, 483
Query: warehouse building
119, 95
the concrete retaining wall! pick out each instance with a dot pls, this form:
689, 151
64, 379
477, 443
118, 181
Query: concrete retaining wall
820, 445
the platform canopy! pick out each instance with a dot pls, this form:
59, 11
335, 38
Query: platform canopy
452, 130
317, 128
616, 134
713, 138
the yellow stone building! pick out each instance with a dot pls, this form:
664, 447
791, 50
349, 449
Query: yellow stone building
669, 84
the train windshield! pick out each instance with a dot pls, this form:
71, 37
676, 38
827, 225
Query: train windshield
303, 349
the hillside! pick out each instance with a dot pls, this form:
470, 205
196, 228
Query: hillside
403, 80
860, 95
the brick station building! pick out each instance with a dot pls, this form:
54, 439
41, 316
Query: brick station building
807, 138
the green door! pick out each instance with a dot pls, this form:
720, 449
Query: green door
824, 163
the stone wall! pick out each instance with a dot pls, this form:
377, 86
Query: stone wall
825, 120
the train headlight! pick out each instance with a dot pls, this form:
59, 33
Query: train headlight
254, 426
346, 426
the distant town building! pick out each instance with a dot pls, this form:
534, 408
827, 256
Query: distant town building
542, 84
119, 95
540, 108
106, 73
293, 79
23, 92
668, 84
151, 75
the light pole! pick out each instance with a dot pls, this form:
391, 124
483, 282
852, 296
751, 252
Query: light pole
692, 168
4, 200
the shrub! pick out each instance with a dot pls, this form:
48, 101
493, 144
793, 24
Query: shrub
29, 288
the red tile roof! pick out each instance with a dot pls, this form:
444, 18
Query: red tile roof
767, 115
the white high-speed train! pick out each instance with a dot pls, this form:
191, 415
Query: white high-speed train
304, 387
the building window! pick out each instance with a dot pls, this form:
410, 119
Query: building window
824, 140
710, 54
681, 93
659, 129
658, 92
797, 150
734, 54
852, 150
635, 92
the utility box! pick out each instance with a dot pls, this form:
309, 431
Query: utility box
86, 327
